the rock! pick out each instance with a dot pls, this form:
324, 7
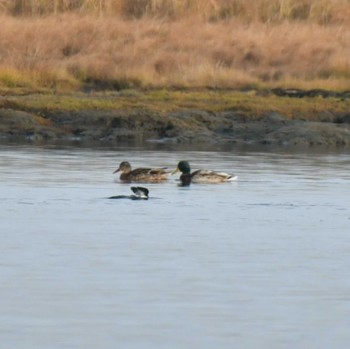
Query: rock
343, 119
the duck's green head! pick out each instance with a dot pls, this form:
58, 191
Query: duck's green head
184, 167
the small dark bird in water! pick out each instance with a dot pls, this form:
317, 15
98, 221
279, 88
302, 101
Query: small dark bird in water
140, 193
201, 176
145, 175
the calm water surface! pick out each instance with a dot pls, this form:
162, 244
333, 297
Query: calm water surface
259, 263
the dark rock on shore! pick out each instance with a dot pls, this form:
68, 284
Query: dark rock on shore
298, 93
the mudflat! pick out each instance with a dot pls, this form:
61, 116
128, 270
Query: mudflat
275, 117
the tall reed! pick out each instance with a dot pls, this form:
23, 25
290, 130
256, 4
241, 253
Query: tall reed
267, 11
195, 43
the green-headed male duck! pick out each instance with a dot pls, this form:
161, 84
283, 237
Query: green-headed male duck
201, 176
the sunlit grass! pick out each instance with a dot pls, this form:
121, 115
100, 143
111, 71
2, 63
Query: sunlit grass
164, 101
65, 45
268, 11
13, 78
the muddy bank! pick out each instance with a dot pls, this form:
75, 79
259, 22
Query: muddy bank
192, 126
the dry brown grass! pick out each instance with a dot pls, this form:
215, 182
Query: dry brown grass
192, 43
321, 11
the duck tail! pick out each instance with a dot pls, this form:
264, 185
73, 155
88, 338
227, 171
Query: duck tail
232, 178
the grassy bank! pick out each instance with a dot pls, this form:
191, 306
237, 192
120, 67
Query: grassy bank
176, 116
249, 104
58, 46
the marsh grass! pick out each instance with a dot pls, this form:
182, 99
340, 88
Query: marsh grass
250, 104
269, 11
66, 45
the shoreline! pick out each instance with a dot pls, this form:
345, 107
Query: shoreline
180, 118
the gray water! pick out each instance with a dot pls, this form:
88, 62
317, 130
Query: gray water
262, 262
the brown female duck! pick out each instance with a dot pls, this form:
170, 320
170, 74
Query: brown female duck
141, 175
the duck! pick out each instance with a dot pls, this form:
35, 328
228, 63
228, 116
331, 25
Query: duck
201, 176
145, 175
140, 193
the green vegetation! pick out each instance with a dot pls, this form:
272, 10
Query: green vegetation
165, 101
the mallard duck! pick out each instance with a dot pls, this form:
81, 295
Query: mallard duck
201, 176
141, 193
148, 175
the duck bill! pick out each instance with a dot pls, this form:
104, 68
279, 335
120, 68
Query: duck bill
117, 170
175, 171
